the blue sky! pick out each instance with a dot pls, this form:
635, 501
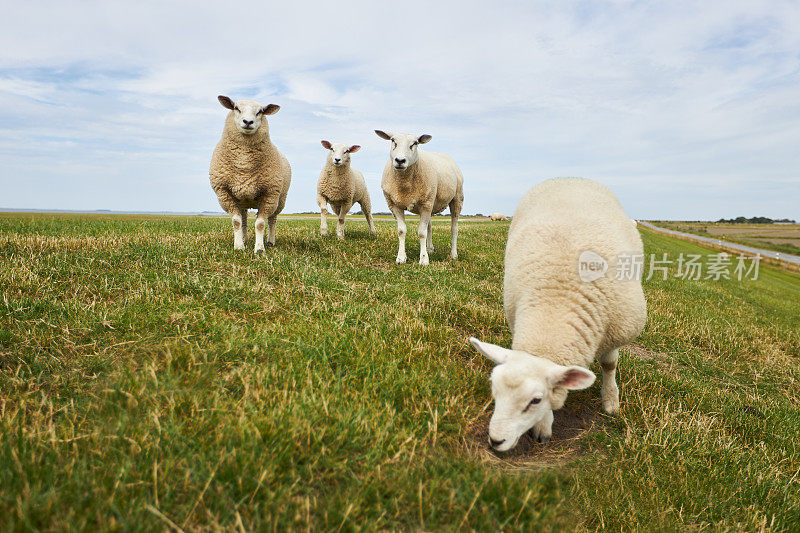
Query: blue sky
687, 110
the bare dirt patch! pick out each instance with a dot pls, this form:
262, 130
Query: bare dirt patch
580, 416
665, 361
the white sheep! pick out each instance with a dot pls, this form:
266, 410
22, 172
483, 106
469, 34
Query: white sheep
498, 216
569, 298
248, 172
423, 183
341, 185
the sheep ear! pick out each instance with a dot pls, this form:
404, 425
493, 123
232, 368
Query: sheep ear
226, 102
422, 139
572, 377
271, 109
353, 149
496, 353
383, 135
326, 144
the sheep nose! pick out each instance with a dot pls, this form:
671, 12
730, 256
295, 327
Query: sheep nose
496, 443
247, 122
336, 160
399, 161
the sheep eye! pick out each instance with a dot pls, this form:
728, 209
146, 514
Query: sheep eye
532, 402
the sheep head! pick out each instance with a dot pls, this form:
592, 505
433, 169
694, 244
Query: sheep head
404, 151
247, 114
339, 153
526, 389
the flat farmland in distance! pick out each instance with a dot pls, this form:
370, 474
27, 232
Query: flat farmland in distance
779, 237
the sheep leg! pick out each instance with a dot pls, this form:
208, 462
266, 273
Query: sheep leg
400, 217
244, 226
239, 221
455, 210
609, 390
271, 238
422, 233
343, 210
543, 430
430, 237
323, 208
366, 207
238, 216
260, 225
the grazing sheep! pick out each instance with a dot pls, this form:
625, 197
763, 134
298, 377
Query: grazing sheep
423, 183
562, 308
498, 216
341, 185
248, 172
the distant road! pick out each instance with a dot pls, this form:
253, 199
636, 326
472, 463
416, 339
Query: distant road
778, 256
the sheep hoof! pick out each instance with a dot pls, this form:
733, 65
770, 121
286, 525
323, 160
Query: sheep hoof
543, 439
238, 246
400, 260
257, 250
323, 232
423, 261
611, 407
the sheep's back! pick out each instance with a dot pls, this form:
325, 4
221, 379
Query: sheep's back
556, 222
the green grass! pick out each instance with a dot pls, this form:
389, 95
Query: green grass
151, 375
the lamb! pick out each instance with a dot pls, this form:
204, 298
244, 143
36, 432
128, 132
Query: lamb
423, 183
341, 185
247, 170
498, 216
562, 308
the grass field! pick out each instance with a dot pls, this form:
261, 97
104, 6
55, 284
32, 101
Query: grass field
151, 378
779, 237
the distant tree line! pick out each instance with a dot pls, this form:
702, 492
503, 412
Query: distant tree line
755, 220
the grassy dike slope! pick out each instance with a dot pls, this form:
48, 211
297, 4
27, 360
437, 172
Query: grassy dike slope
151, 377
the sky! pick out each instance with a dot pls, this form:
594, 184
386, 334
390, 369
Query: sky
686, 110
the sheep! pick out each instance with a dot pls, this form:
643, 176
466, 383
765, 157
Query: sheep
562, 309
498, 216
341, 185
247, 170
423, 183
